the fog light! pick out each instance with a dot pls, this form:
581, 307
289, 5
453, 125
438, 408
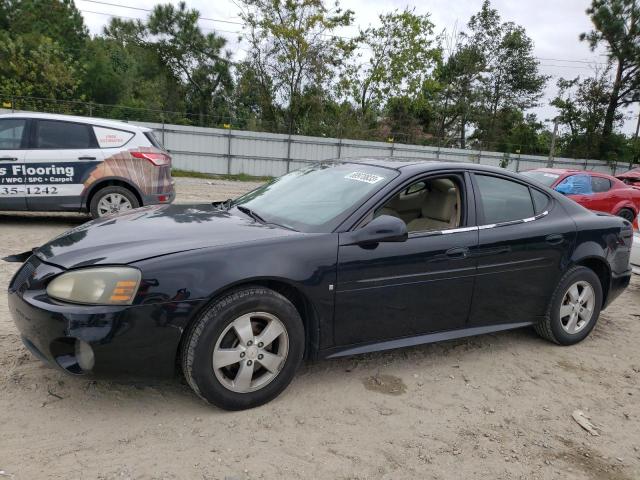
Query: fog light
84, 355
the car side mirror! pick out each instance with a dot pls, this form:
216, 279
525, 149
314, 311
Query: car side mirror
384, 228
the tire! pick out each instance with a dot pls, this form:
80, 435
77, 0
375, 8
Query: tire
556, 326
214, 337
627, 214
124, 198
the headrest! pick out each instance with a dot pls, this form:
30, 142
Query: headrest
440, 204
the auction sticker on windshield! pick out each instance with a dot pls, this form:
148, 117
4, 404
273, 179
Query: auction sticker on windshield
364, 177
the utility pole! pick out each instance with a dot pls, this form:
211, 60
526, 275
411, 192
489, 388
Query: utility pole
636, 157
552, 149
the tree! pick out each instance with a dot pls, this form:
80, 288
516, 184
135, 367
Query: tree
617, 26
58, 20
455, 93
36, 66
402, 55
198, 60
582, 106
188, 52
292, 49
509, 77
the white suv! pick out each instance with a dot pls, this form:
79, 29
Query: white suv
62, 163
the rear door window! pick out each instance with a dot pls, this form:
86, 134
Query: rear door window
503, 200
53, 134
11, 133
111, 137
579, 184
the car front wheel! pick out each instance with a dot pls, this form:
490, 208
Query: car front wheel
574, 308
244, 350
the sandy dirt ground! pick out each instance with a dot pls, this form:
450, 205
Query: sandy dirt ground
490, 407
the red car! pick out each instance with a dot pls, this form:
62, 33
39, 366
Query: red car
632, 177
593, 190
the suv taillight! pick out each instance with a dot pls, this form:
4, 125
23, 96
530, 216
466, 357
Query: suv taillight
157, 158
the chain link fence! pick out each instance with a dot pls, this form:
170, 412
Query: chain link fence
227, 150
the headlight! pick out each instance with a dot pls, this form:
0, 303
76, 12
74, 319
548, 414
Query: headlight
97, 286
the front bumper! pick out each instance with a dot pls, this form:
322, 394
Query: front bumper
140, 340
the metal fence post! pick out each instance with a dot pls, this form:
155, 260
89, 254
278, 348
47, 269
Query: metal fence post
289, 153
393, 144
479, 157
518, 162
340, 147
614, 168
438, 153
229, 152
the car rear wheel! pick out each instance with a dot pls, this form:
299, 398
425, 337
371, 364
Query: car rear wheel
112, 201
244, 350
574, 308
627, 214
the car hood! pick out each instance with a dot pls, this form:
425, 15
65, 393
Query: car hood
153, 231
631, 174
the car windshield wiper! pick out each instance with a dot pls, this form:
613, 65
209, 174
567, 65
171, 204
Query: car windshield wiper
251, 213
257, 217
224, 205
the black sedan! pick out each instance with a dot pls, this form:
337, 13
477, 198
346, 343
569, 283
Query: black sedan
336, 259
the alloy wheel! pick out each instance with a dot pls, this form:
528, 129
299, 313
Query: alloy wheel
113, 203
250, 352
576, 310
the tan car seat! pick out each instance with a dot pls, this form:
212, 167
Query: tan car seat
440, 210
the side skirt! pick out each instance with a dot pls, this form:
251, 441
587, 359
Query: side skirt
421, 339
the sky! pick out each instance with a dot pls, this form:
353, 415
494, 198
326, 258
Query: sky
553, 25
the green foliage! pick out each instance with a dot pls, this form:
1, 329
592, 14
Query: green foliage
35, 66
510, 77
293, 50
617, 27
403, 53
59, 20
397, 81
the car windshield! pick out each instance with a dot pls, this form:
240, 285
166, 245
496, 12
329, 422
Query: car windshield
316, 198
545, 178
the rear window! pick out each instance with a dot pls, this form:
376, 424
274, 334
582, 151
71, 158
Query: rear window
540, 201
503, 200
55, 134
600, 184
111, 137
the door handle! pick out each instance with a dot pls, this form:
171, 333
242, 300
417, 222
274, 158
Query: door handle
9, 159
555, 239
457, 252
86, 158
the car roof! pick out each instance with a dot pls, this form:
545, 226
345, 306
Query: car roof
421, 164
557, 171
566, 171
99, 122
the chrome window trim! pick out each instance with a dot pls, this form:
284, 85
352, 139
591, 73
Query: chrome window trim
449, 231
515, 222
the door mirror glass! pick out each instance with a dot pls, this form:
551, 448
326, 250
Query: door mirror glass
384, 228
